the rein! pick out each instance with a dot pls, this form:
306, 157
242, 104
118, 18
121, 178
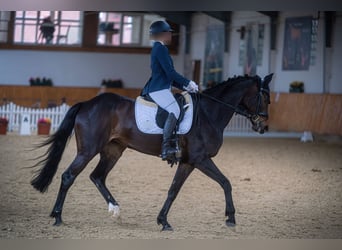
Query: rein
236, 109
240, 111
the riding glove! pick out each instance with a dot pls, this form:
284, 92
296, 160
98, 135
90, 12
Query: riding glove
192, 87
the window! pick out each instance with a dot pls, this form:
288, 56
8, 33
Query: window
125, 29
91, 31
109, 28
48, 27
131, 30
4, 19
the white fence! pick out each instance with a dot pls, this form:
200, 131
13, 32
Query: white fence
238, 124
13, 113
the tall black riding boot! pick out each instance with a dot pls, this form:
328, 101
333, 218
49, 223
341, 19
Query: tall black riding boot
167, 149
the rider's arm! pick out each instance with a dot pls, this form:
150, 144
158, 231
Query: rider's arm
166, 63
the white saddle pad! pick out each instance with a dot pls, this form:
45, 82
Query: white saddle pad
145, 116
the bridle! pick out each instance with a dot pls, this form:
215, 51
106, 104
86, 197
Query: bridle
258, 115
241, 110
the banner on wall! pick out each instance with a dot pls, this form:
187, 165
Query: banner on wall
251, 48
297, 43
214, 49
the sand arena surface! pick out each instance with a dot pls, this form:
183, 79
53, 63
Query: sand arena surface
282, 188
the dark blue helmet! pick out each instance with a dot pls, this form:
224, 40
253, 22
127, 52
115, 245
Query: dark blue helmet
159, 27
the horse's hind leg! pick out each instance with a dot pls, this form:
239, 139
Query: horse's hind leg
109, 156
68, 178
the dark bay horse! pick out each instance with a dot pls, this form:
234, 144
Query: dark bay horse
106, 125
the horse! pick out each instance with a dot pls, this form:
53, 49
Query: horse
106, 125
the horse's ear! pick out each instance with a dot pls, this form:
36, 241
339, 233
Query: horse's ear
267, 79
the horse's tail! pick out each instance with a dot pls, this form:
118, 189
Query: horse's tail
57, 143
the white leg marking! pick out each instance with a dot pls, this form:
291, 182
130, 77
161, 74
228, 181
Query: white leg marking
115, 209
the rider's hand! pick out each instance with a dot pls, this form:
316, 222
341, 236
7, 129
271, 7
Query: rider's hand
192, 87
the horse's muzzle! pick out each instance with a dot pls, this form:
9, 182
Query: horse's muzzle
259, 124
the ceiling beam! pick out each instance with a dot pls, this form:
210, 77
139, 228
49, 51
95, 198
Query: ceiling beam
223, 16
274, 16
270, 13
178, 17
329, 27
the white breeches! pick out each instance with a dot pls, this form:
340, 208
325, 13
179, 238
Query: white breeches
165, 100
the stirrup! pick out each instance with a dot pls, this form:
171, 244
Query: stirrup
170, 155
173, 159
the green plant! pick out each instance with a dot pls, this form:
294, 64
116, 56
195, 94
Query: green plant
297, 86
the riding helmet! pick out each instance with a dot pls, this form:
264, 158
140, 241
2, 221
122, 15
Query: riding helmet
159, 27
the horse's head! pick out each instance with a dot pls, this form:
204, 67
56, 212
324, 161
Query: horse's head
255, 103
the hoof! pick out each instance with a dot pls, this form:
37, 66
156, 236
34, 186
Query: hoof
230, 223
167, 228
58, 222
58, 218
166, 225
114, 209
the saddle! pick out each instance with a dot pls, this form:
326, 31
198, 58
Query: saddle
150, 118
162, 114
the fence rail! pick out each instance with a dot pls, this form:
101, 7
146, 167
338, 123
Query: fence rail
239, 124
13, 112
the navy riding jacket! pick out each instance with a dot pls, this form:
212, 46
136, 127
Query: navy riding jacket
163, 73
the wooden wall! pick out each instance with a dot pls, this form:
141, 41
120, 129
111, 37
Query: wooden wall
28, 96
319, 113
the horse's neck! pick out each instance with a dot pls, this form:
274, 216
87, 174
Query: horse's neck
219, 114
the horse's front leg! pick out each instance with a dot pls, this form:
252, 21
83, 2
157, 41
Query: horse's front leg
209, 168
182, 173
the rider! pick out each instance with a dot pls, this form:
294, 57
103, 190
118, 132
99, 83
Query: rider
163, 77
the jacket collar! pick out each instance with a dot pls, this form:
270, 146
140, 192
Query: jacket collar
158, 41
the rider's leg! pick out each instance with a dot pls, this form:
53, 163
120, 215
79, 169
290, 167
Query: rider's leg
167, 149
165, 99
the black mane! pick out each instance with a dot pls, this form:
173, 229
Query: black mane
230, 82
